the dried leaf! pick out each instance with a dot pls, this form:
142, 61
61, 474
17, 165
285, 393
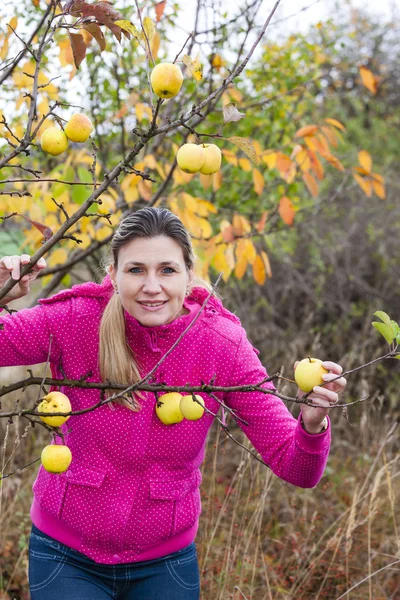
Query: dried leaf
311, 184
259, 273
129, 28
307, 130
267, 264
155, 45
336, 124
286, 210
160, 6
44, 229
78, 47
258, 182
194, 67
316, 165
330, 135
231, 113
369, 80
246, 146
365, 184
97, 33
103, 12
365, 160
332, 160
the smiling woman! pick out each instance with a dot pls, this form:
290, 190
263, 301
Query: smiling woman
121, 521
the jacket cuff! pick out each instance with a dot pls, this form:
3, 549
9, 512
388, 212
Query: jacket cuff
314, 443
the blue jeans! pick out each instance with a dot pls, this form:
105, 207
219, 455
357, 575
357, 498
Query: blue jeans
58, 572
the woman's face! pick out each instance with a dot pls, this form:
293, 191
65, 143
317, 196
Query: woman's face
151, 279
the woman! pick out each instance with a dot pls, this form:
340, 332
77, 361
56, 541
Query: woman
121, 522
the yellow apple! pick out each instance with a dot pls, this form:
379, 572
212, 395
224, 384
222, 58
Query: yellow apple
191, 409
78, 128
56, 458
167, 408
191, 158
54, 402
308, 373
213, 159
53, 141
166, 80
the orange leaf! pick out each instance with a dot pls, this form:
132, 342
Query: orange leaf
316, 165
369, 80
286, 210
249, 250
160, 6
217, 180
259, 270
365, 160
240, 225
335, 162
227, 231
365, 184
267, 264
379, 189
261, 224
330, 135
378, 178
311, 184
307, 130
245, 164
286, 167
336, 124
258, 182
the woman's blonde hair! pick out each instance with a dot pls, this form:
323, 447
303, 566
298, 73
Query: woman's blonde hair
117, 361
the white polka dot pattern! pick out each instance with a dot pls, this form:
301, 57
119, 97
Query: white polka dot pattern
133, 484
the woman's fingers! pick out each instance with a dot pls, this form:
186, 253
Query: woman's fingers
331, 366
338, 383
325, 394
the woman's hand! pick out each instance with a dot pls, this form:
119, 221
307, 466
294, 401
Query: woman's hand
324, 396
10, 266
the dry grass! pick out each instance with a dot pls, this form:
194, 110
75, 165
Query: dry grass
259, 538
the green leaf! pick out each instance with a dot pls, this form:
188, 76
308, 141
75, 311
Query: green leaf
382, 316
84, 175
395, 327
79, 194
385, 330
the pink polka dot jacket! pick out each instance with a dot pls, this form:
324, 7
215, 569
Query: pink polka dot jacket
131, 492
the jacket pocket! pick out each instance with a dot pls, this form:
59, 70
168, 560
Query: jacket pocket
163, 508
83, 503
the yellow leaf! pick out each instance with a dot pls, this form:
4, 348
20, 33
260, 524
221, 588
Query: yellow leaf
258, 182
144, 187
311, 184
379, 189
336, 124
4, 50
155, 45
149, 28
323, 142
245, 164
307, 130
217, 180
369, 80
194, 67
240, 225
14, 23
58, 257
220, 262
246, 146
365, 184
230, 157
286, 167
286, 210
270, 159
249, 250
330, 135
365, 160
267, 264
259, 273
303, 160
103, 232
107, 204
235, 94
241, 265
204, 207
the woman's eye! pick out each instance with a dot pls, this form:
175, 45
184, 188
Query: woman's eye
168, 270
134, 270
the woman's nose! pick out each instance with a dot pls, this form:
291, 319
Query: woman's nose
151, 285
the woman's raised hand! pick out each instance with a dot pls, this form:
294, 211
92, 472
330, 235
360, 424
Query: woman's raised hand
10, 266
